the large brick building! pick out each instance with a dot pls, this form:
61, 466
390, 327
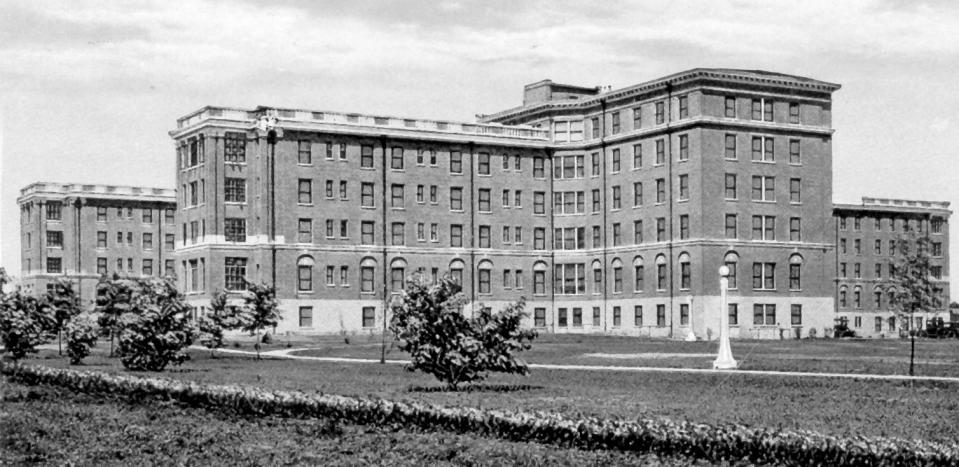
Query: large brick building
81, 232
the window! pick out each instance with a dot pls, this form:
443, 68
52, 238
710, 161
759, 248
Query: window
505, 161
434, 232
661, 276
596, 237
168, 241
539, 238
684, 187
193, 194
731, 226
456, 235
396, 158
795, 193
637, 118
304, 152
857, 246
366, 157
539, 202
637, 232
234, 273
369, 316
539, 282
594, 159
937, 249
857, 223
570, 279
762, 109
795, 277
733, 314
617, 278
234, 147
684, 314
935, 271
561, 317
763, 149
793, 112
398, 276
397, 197
147, 216
344, 228
617, 316
146, 268
518, 199
730, 147
936, 225
398, 233
857, 297
617, 160
484, 236
101, 239
506, 198
730, 107
54, 239
507, 279
594, 125
660, 229
661, 315
683, 147
234, 229
614, 117
506, 234
764, 228
685, 273
764, 276
367, 282
147, 241
168, 216
764, 314
483, 196
366, 232
878, 272
366, 195
483, 279
306, 317
433, 191
795, 229
101, 214
794, 155
329, 189
539, 317
731, 192
456, 162
577, 317
660, 190
538, 166
660, 152
764, 188
54, 210
54, 265
304, 274
482, 163
456, 198
617, 197
305, 192
660, 112
343, 190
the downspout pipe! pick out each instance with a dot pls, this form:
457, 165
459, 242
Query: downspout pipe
386, 294
604, 177
271, 141
669, 185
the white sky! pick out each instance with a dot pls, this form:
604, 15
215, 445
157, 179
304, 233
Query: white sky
89, 89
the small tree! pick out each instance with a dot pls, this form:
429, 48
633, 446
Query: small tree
914, 289
220, 318
65, 303
4, 280
429, 324
25, 323
157, 327
113, 300
81, 338
260, 310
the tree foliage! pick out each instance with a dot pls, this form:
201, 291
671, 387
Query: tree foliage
25, 323
220, 318
113, 300
150, 320
66, 305
915, 289
261, 310
81, 333
429, 324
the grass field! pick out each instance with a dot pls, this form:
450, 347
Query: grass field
828, 405
46, 426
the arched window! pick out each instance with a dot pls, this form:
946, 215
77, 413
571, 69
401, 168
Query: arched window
367, 272
617, 275
483, 271
877, 298
456, 270
731, 261
597, 276
857, 297
304, 274
842, 297
539, 278
397, 274
639, 273
661, 276
795, 272
685, 271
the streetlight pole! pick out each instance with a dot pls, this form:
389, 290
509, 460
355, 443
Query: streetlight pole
724, 360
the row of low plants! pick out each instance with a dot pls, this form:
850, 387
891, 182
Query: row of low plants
715, 443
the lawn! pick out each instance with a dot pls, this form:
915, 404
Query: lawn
47, 426
829, 405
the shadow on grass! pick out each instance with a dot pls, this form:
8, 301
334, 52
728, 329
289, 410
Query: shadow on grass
477, 388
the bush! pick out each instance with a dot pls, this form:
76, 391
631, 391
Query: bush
25, 323
156, 327
430, 326
220, 318
82, 336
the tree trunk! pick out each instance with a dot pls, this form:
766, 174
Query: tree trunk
59, 343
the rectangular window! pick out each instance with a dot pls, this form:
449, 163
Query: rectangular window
343, 190
597, 201
234, 273
304, 277
146, 268
764, 188
660, 152
763, 149
795, 229
660, 315
617, 197
398, 233
615, 122
795, 190
396, 158
54, 239
638, 278
731, 147
637, 232
617, 234
594, 125
684, 314
733, 314
434, 232
684, 187
482, 163
617, 160
506, 198
506, 234
683, 107
617, 316
764, 228
683, 147
795, 277
683, 226
54, 210
366, 195
764, 276
561, 317
539, 317
101, 214
661, 229
483, 200
234, 147
147, 216
660, 112
594, 158
484, 236
660, 190
732, 231
366, 157
306, 317
344, 228
234, 229
637, 118
101, 266
456, 235
793, 112
518, 199
764, 314
366, 232
101, 239
329, 188
539, 170
456, 198
539, 238
304, 152
456, 162
661, 277
570, 279
397, 196
731, 192
577, 317
539, 202
369, 316
483, 280
794, 155
730, 110
305, 192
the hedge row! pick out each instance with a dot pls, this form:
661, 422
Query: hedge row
715, 443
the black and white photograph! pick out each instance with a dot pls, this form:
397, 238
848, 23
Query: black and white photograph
478, 233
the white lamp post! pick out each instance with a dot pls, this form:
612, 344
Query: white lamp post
725, 360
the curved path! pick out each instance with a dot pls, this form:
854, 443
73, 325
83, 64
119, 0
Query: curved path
288, 354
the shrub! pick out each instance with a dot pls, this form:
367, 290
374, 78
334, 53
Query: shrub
65, 305
113, 300
81, 338
220, 318
25, 323
157, 328
260, 309
429, 323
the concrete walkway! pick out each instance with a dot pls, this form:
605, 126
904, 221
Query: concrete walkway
288, 354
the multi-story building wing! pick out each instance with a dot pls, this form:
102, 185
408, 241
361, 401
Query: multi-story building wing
609, 210
684, 174
82, 232
866, 236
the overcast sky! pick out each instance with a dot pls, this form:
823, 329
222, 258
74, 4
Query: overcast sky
89, 89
